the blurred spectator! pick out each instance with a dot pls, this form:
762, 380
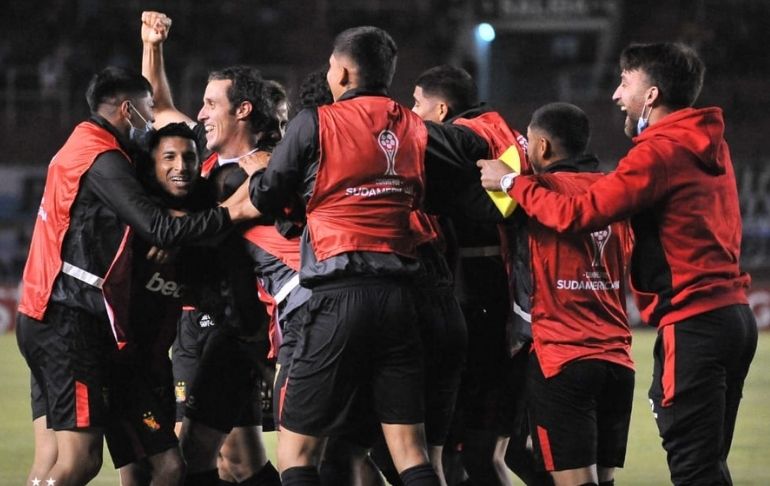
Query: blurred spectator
53, 72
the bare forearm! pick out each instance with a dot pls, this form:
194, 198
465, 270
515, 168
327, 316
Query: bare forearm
153, 68
155, 30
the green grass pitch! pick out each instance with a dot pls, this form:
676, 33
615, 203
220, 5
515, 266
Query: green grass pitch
645, 462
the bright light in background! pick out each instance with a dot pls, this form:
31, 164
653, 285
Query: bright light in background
485, 32
483, 35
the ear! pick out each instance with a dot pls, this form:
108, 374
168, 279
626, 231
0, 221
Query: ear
125, 109
653, 96
544, 148
443, 110
244, 110
345, 76
339, 79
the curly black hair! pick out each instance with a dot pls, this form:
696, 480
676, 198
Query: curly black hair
314, 90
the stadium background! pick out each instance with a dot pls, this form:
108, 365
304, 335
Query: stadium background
542, 51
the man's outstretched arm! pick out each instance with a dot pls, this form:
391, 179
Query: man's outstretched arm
155, 30
637, 183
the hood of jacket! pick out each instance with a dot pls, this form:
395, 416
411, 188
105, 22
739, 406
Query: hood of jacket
698, 130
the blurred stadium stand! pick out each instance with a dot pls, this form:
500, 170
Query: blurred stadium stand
544, 50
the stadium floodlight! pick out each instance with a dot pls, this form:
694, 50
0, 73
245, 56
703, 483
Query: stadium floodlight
485, 32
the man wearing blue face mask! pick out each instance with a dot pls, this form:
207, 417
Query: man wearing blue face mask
677, 185
139, 134
74, 299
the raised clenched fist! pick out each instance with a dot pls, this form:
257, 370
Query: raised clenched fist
155, 27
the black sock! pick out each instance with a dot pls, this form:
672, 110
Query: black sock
611, 482
332, 473
222, 482
422, 475
203, 478
300, 476
267, 476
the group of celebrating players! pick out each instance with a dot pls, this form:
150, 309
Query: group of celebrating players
422, 294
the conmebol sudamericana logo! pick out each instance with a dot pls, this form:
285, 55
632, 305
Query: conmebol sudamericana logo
600, 239
388, 142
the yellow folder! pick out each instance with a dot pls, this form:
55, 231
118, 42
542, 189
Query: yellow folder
505, 204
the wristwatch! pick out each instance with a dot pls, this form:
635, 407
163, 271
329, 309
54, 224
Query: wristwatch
506, 182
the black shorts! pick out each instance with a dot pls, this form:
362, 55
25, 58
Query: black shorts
141, 417
444, 340
216, 375
266, 378
361, 426
492, 385
357, 343
283, 363
580, 416
69, 354
191, 335
37, 399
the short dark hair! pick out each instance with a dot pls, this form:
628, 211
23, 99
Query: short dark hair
674, 68
274, 94
454, 85
247, 85
373, 51
113, 82
314, 90
180, 129
566, 124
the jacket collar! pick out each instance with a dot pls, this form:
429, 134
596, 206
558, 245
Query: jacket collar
473, 112
123, 141
355, 92
581, 163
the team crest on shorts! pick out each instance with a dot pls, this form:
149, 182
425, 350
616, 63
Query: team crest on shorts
388, 143
150, 422
206, 321
180, 392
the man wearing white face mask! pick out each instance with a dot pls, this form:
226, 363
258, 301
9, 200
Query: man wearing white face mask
677, 185
72, 311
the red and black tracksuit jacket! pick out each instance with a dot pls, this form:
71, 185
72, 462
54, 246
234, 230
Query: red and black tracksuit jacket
678, 186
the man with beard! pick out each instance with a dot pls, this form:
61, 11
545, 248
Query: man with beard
220, 401
677, 185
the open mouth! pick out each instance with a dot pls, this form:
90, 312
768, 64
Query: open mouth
180, 181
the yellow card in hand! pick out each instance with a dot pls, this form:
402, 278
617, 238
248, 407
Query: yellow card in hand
505, 204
